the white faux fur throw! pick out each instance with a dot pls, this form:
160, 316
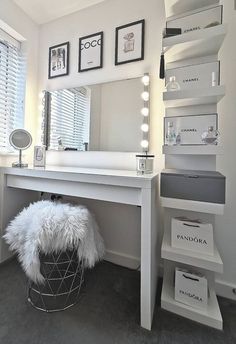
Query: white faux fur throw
47, 227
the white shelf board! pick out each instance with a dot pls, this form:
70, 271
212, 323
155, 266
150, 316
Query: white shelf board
196, 206
193, 150
199, 259
210, 317
180, 7
201, 96
194, 44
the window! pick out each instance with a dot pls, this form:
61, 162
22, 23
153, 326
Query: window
12, 88
70, 118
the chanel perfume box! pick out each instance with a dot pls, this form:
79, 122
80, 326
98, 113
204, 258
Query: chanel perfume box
192, 235
198, 20
189, 129
191, 288
203, 186
202, 75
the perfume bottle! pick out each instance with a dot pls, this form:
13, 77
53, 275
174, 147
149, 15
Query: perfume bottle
172, 85
211, 136
170, 135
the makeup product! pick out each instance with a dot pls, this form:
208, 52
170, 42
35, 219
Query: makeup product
169, 32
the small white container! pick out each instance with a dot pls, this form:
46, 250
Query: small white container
144, 163
191, 288
192, 235
39, 156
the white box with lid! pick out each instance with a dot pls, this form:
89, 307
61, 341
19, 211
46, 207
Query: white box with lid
201, 19
195, 76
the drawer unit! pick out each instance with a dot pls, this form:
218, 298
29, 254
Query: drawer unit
203, 186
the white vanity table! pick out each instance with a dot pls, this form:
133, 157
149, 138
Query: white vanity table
19, 187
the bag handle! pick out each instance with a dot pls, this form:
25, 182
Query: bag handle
191, 278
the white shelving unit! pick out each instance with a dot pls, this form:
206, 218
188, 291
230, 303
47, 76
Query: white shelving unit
193, 150
199, 46
210, 317
199, 207
200, 96
190, 45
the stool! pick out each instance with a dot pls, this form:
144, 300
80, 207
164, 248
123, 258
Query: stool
63, 273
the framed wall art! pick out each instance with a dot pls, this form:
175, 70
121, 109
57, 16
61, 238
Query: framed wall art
91, 52
130, 42
58, 60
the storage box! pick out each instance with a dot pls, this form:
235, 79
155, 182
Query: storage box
192, 235
199, 20
189, 129
204, 75
203, 186
191, 288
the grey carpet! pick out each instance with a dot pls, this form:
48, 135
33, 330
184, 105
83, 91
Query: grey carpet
107, 313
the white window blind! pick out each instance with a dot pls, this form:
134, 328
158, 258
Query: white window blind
70, 118
12, 89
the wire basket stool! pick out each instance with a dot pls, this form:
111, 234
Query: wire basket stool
63, 274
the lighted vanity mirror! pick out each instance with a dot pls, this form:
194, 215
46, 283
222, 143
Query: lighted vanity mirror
100, 117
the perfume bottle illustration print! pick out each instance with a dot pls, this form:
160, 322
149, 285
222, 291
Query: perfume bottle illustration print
129, 42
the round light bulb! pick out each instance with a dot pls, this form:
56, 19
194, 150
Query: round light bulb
145, 96
145, 127
146, 80
144, 144
145, 111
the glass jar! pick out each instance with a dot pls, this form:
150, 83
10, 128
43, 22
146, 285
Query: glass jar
144, 163
172, 85
170, 134
211, 136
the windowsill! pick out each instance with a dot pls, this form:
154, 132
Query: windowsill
9, 154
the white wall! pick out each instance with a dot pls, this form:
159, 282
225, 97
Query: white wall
119, 224
13, 16
120, 116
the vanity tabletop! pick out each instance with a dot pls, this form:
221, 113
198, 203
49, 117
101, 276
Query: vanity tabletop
92, 175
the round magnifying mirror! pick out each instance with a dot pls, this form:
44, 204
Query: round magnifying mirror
20, 139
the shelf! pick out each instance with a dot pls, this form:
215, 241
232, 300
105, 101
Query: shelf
198, 259
196, 206
210, 317
195, 44
199, 96
178, 7
193, 150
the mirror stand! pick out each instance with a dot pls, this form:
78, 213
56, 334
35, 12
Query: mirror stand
19, 163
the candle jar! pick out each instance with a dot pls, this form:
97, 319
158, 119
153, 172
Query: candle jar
144, 163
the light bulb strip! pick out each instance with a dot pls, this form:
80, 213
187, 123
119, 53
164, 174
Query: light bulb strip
146, 113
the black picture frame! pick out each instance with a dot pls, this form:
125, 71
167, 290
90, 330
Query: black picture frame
65, 57
100, 53
142, 38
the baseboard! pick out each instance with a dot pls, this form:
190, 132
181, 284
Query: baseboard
122, 259
226, 290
